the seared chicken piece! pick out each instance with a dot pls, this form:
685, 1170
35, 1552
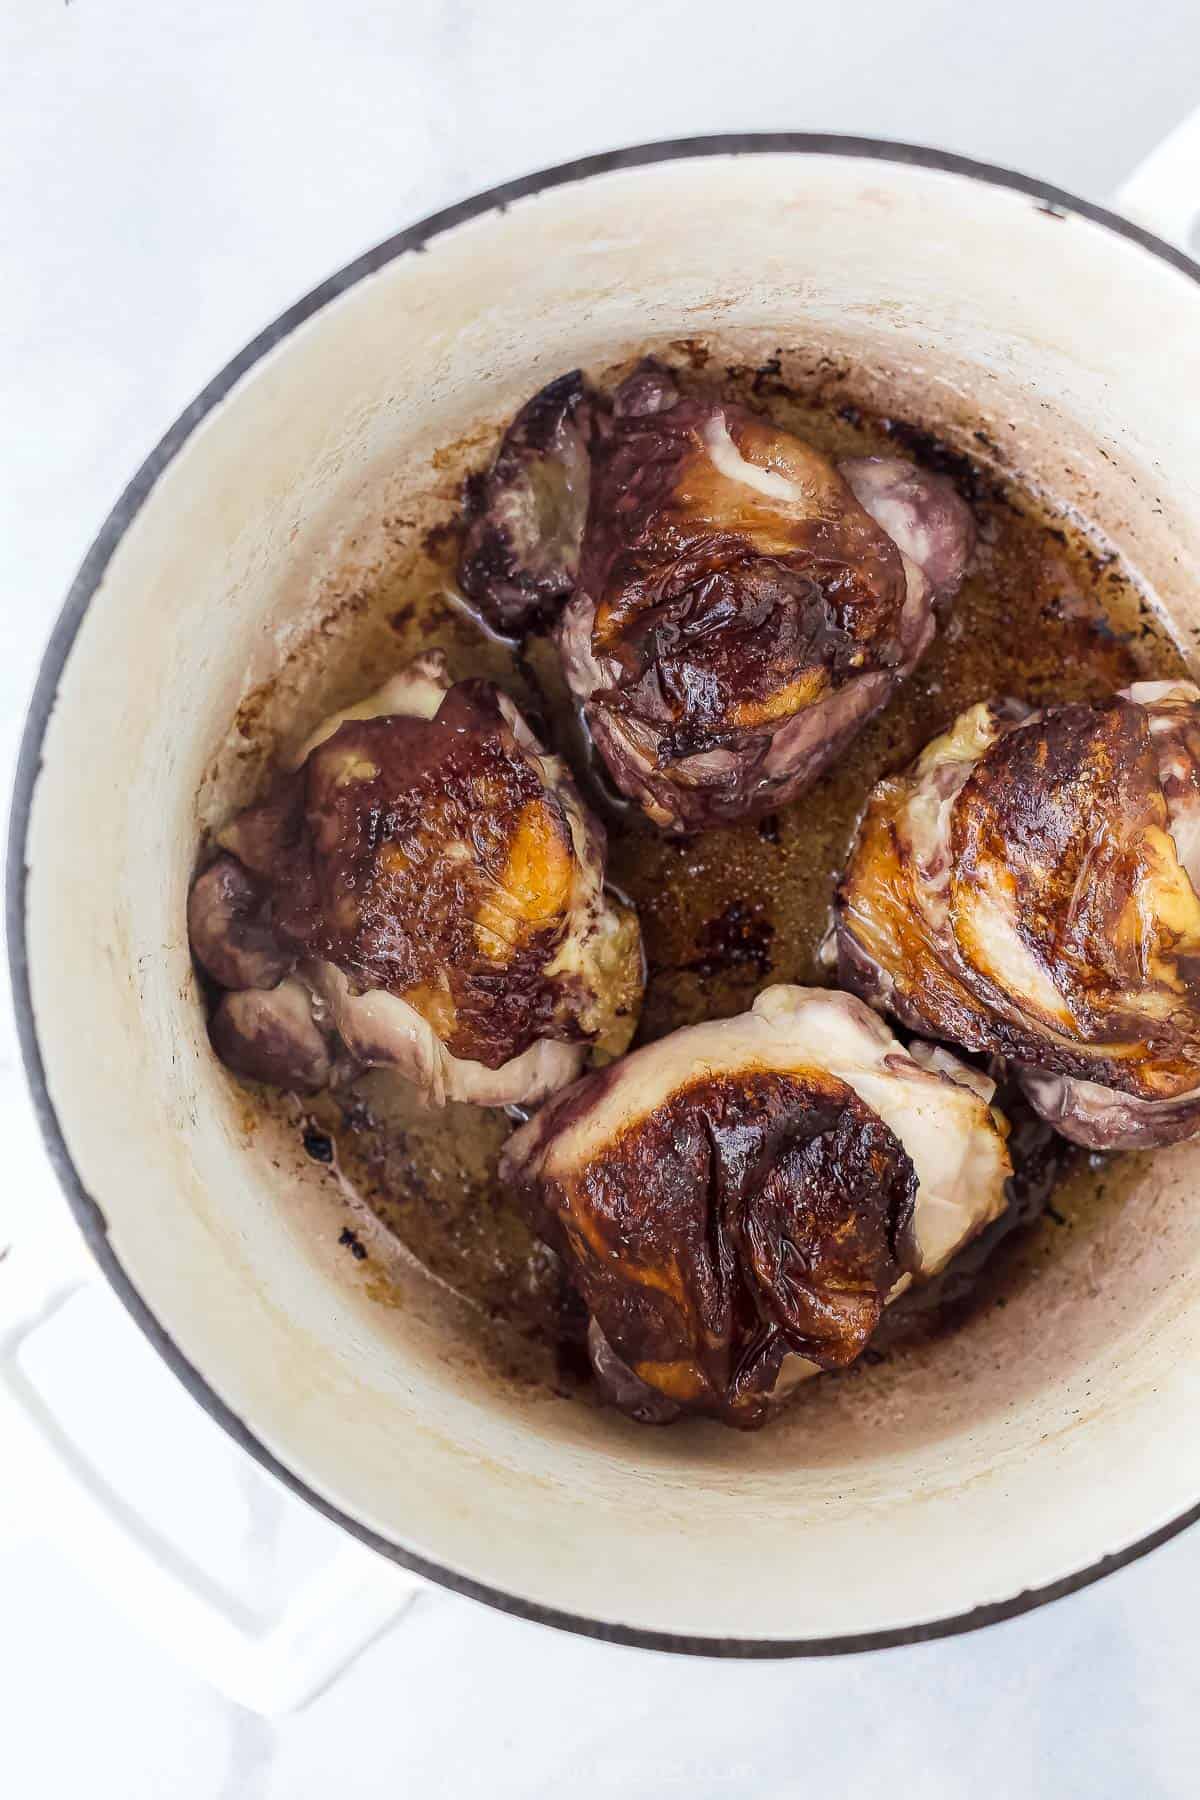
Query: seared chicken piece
431, 885
1029, 888
736, 1203
525, 516
735, 609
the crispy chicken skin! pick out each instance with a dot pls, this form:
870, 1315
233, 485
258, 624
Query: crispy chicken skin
735, 607
429, 880
1029, 888
749, 1193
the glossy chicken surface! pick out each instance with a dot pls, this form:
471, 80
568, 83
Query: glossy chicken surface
1030, 888
736, 1204
424, 890
738, 606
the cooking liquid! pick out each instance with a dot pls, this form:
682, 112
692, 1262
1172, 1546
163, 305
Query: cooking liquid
1043, 616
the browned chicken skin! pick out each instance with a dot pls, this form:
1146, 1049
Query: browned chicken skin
737, 608
768, 1209
1027, 889
430, 880
753, 1190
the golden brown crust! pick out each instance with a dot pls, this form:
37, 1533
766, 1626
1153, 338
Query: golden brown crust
750, 1215
731, 608
727, 610
444, 870
446, 862
1047, 914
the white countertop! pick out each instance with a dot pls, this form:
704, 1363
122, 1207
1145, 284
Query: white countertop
172, 176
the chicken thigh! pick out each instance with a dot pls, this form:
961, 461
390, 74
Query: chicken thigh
734, 609
423, 890
1029, 888
736, 1203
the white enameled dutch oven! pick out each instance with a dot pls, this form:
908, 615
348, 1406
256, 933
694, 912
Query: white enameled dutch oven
1049, 1442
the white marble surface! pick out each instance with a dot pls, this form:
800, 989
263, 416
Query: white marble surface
171, 176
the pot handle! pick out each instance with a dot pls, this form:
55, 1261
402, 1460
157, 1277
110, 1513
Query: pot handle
1163, 192
332, 1616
